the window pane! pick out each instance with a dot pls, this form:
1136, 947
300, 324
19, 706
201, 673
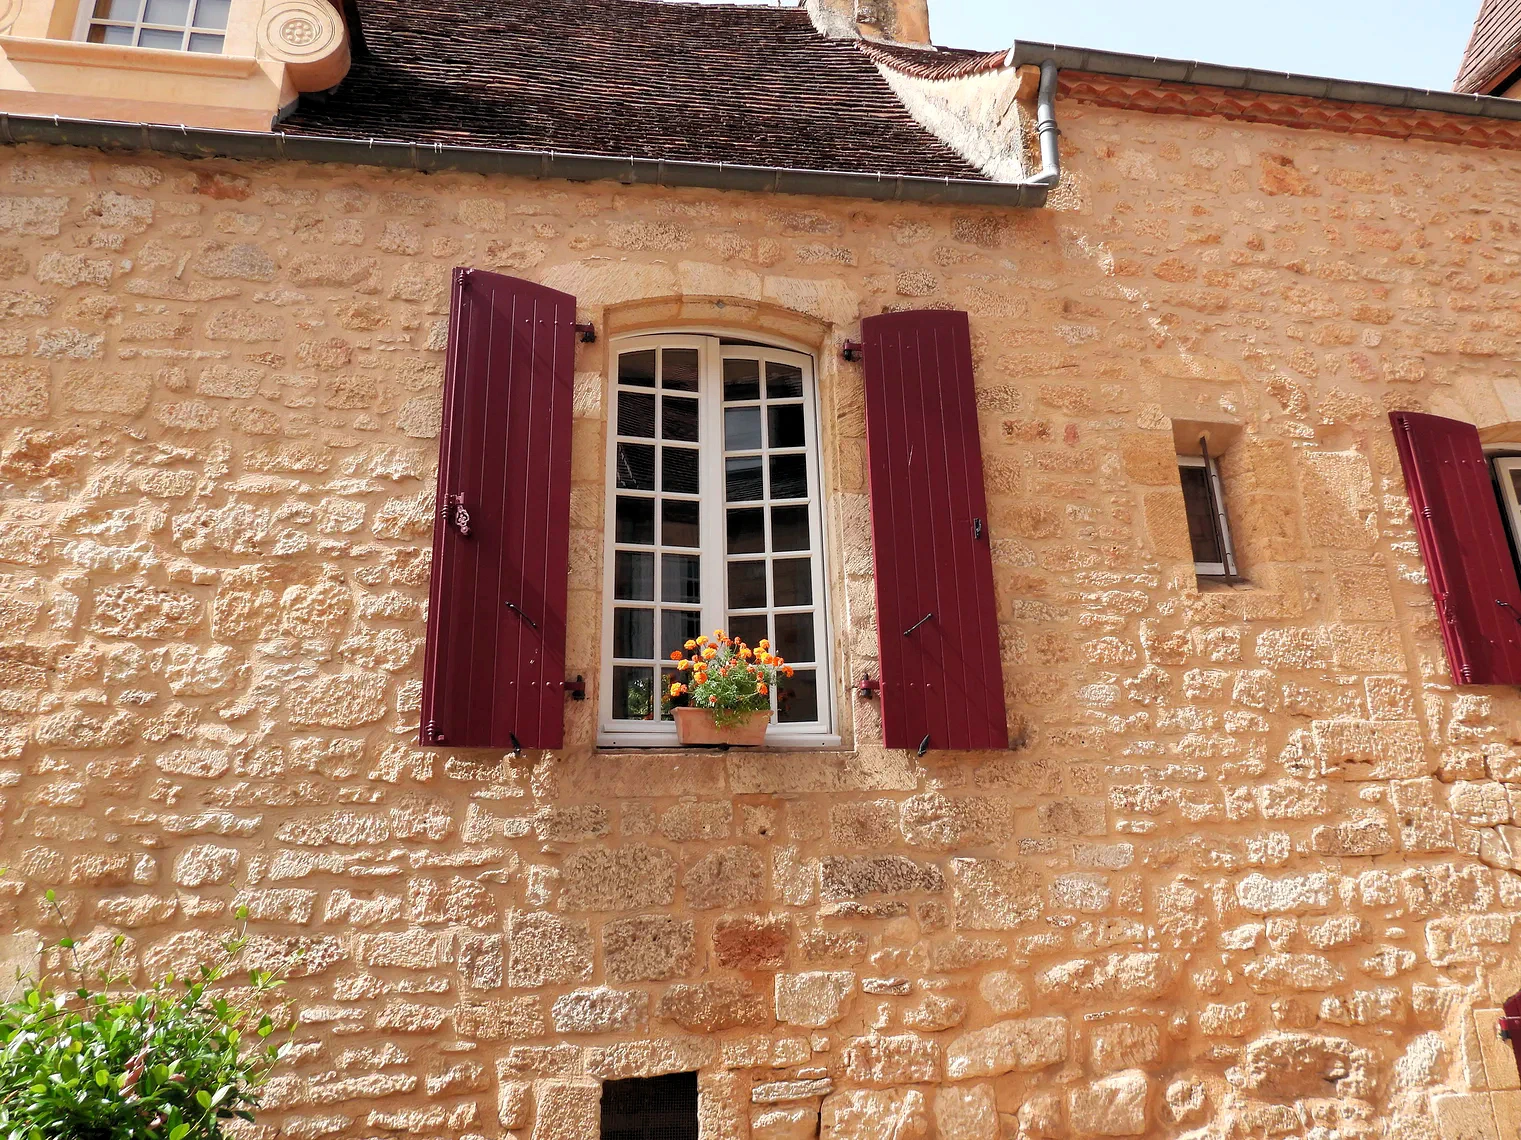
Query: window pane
106, 34
789, 528
747, 532
678, 471
634, 576
747, 585
212, 14
679, 526
1200, 506
207, 45
783, 380
677, 627
635, 521
678, 369
742, 429
743, 478
792, 582
678, 420
786, 425
164, 41
124, 11
680, 578
636, 467
741, 379
794, 637
798, 700
752, 629
637, 368
789, 476
633, 689
636, 415
167, 12
633, 633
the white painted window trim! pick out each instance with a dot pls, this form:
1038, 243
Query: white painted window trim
656, 734
1503, 464
85, 16
1226, 569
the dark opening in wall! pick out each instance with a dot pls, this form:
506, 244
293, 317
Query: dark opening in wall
650, 1108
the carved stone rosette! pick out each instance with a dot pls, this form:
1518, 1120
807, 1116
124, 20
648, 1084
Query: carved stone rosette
310, 38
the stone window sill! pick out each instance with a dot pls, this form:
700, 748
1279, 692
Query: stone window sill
78, 53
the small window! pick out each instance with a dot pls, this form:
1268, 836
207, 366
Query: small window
1208, 530
1508, 475
713, 522
650, 1108
170, 25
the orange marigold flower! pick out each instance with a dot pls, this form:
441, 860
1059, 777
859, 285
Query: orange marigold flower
712, 700
675, 655
702, 639
683, 665
718, 633
763, 644
744, 651
691, 645
787, 670
762, 689
709, 653
675, 690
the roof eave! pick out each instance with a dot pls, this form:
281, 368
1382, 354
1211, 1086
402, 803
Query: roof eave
204, 142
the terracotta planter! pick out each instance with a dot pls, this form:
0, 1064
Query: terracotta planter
695, 726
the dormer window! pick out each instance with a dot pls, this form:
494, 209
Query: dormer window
170, 25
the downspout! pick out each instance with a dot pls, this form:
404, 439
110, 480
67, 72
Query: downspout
1045, 126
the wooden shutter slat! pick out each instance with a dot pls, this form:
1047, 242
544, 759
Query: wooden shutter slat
944, 682
1462, 537
492, 679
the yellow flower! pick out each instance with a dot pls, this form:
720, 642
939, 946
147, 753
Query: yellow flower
709, 653
744, 651
675, 690
763, 644
718, 635
702, 639
683, 665
691, 645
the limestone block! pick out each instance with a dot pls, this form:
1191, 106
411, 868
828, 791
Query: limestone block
513, 1103
647, 948
650, 1057
870, 1114
794, 1122
752, 942
883, 1061
945, 823
630, 877
934, 1013
1286, 1065
1464, 1116
206, 865
814, 999
1008, 1046
567, 1110
544, 948
1113, 1106
508, 1019
967, 1112
994, 894
728, 877
716, 1005
846, 877
600, 1009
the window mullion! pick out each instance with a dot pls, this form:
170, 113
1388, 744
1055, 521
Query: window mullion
711, 480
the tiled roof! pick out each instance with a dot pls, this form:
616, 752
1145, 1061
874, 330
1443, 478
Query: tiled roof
1494, 49
933, 62
707, 83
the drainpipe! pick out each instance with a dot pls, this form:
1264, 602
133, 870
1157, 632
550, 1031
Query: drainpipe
1045, 126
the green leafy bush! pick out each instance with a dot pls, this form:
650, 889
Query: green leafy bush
103, 1061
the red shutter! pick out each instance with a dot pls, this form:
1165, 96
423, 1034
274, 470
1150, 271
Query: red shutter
1469, 561
495, 665
937, 616
1510, 1026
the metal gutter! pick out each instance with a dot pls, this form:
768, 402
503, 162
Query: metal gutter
1267, 82
206, 142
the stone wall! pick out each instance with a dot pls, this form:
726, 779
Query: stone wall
1246, 874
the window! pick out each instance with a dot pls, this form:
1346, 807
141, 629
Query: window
713, 505
650, 1108
1208, 530
1508, 474
172, 25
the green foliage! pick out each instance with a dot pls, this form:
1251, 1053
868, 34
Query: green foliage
101, 1061
726, 677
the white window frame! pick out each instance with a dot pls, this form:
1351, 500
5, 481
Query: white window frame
1502, 465
86, 17
1227, 568
711, 354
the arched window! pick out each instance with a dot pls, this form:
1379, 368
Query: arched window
713, 521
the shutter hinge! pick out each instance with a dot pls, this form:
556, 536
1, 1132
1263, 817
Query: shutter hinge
851, 350
455, 513
588, 332
868, 687
1507, 1028
977, 528
576, 688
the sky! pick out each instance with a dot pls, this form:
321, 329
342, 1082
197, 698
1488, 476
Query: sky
1413, 43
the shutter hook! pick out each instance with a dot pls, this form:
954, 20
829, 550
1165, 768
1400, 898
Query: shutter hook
924, 745
918, 623
517, 746
1511, 608
851, 350
522, 615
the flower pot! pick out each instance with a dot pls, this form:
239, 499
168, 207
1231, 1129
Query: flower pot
695, 726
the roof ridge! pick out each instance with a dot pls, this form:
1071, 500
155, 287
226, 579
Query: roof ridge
910, 59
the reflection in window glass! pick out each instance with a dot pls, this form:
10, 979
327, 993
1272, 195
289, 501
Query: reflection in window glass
168, 25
